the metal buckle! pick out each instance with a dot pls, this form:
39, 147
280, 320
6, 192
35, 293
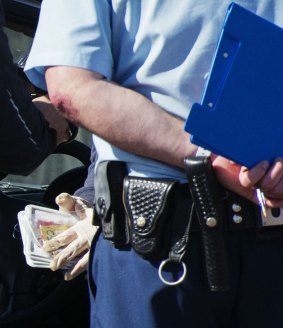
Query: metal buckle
272, 217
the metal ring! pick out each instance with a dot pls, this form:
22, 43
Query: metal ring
171, 283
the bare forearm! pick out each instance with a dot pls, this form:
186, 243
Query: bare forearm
119, 115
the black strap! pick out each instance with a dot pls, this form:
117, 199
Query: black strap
211, 216
184, 211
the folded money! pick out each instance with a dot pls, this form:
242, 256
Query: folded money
38, 224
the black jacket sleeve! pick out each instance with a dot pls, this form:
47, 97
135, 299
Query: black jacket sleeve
25, 137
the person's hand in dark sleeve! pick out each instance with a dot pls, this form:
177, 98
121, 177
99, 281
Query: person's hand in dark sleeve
27, 135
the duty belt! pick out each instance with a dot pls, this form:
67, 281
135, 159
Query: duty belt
157, 216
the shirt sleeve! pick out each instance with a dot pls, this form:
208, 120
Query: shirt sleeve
71, 33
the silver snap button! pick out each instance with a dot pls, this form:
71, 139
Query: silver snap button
211, 222
141, 221
237, 218
236, 208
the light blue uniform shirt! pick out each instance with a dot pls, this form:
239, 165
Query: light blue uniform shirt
160, 48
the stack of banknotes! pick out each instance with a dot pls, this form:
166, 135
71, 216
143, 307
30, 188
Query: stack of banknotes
38, 224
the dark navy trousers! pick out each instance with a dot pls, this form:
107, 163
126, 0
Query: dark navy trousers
126, 292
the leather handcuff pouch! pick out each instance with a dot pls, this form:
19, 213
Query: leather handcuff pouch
149, 208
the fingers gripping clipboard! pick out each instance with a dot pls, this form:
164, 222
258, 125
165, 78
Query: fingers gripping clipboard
241, 112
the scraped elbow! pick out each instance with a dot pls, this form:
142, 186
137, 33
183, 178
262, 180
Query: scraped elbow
63, 103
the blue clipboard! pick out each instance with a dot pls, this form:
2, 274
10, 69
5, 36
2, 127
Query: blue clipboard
241, 112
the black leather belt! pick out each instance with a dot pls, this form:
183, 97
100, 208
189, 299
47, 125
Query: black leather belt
242, 214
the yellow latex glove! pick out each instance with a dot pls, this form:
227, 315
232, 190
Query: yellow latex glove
75, 241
